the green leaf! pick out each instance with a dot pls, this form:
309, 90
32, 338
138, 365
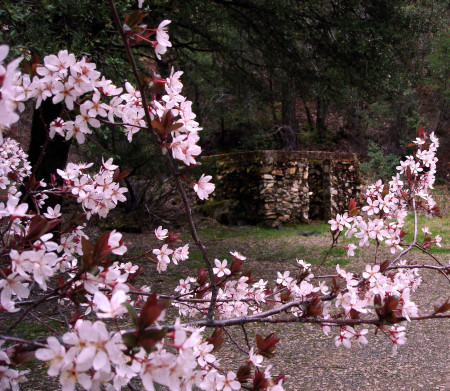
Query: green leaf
132, 312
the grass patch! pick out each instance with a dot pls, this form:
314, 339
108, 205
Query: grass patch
259, 232
438, 250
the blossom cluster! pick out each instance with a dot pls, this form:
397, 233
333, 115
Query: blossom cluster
90, 100
386, 206
9, 377
94, 357
9, 81
89, 280
97, 194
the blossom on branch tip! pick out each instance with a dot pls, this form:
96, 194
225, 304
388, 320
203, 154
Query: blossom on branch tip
110, 308
162, 39
203, 188
53, 213
221, 268
238, 255
161, 233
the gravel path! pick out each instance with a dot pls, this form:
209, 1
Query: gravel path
314, 363
310, 359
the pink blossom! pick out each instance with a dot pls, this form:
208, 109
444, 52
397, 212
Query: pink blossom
203, 188
221, 268
161, 233
113, 308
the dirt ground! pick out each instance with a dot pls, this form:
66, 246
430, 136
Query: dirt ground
309, 359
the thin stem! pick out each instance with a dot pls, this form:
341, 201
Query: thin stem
414, 240
168, 162
246, 336
22, 341
43, 323
376, 251
428, 253
37, 303
121, 124
234, 341
335, 239
322, 321
134, 69
440, 268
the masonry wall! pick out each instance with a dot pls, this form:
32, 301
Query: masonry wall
280, 187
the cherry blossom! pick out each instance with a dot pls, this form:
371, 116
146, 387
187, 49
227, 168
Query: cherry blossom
203, 188
221, 268
89, 275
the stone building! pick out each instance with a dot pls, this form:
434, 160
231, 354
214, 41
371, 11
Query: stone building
282, 187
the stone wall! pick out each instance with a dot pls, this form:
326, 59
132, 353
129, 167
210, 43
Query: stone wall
279, 187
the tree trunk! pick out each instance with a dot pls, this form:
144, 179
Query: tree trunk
308, 114
56, 151
289, 129
321, 115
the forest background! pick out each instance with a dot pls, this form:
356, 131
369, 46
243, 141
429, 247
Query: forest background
343, 75
355, 76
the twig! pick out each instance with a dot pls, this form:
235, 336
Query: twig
22, 341
43, 323
45, 298
335, 239
121, 124
168, 162
414, 242
322, 321
234, 341
246, 336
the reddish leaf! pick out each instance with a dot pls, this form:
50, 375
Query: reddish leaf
201, 276
248, 274
259, 381
87, 248
130, 340
441, 308
378, 305
101, 248
149, 338
420, 132
38, 225
244, 373
216, 339
353, 210
335, 284
236, 266
285, 296
266, 346
392, 303
53, 223
384, 265
134, 19
157, 126
173, 237
18, 355
119, 175
426, 242
354, 314
12, 175
174, 126
151, 311
167, 121
315, 307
